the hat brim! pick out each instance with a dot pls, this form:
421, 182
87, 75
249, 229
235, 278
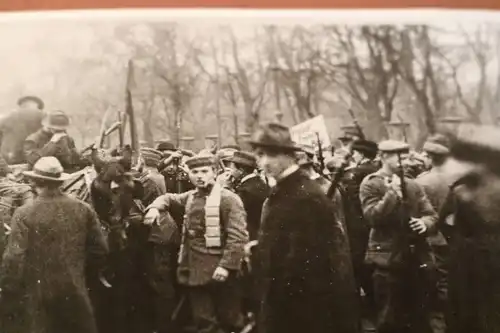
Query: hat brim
56, 127
241, 161
292, 147
62, 178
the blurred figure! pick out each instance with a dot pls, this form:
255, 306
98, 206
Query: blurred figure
437, 190
473, 170
53, 140
12, 196
17, 126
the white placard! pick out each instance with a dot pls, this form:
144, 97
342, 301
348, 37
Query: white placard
305, 133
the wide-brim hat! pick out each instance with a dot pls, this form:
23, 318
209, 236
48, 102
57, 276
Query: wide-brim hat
243, 158
48, 168
273, 135
57, 120
34, 99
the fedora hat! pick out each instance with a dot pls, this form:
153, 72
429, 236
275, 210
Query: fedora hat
47, 168
244, 158
57, 120
273, 135
365, 146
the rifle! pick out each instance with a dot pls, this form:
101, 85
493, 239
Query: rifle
411, 253
358, 127
321, 158
339, 173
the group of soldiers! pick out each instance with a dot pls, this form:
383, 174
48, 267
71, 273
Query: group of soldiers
269, 239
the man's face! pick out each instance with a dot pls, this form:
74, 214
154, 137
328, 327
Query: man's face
475, 185
202, 177
357, 156
235, 171
272, 164
392, 160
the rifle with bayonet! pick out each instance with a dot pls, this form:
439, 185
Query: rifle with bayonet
356, 124
321, 157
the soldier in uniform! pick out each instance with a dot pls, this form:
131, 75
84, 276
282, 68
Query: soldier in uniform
53, 140
12, 196
400, 284
212, 249
437, 191
153, 181
176, 177
304, 270
16, 126
472, 169
358, 228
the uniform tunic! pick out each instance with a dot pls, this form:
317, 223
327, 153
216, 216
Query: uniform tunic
214, 305
197, 267
383, 209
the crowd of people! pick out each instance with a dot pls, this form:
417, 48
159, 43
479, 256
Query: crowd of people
266, 239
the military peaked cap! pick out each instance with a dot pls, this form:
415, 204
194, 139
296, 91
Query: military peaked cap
200, 160
151, 157
393, 146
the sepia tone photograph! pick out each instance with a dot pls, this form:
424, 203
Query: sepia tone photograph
197, 171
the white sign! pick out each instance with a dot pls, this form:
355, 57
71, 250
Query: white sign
305, 133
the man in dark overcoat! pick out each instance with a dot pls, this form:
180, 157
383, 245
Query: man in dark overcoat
358, 228
54, 237
253, 191
305, 279
472, 169
17, 126
403, 269
212, 249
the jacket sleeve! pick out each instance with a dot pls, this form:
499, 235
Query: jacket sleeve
96, 245
14, 256
234, 218
166, 201
376, 206
33, 154
425, 210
